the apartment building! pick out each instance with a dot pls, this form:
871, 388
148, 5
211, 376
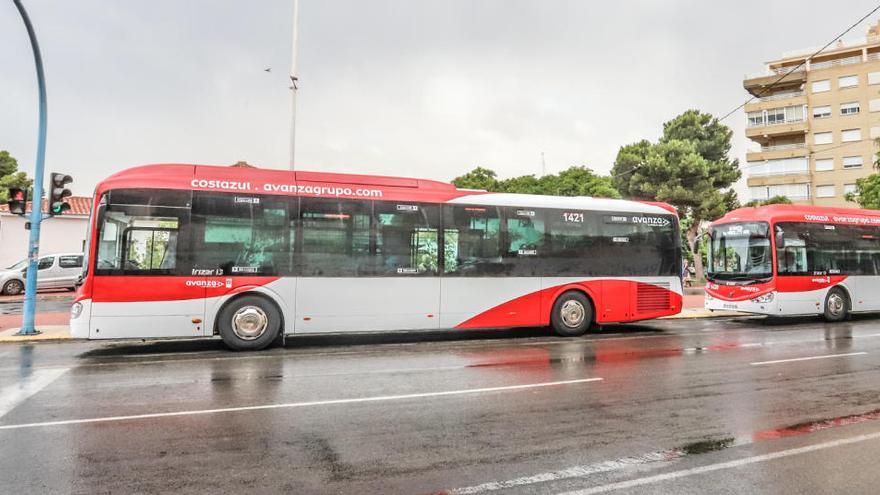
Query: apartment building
813, 121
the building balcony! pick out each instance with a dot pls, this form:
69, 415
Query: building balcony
777, 151
758, 84
778, 179
788, 98
762, 132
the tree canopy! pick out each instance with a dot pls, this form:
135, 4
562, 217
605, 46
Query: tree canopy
775, 200
867, 193
574, 181
688, 167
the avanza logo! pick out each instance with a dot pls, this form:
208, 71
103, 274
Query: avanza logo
653, 221
821, 280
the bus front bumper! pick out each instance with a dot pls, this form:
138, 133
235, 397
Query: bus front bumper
763, 305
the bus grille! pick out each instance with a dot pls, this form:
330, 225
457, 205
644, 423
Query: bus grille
652, 297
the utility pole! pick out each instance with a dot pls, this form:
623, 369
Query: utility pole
543, 165
30, 287
294, 81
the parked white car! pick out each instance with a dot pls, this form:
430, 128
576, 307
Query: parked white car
54, 271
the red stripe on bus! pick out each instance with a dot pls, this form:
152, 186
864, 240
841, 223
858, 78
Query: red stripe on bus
613, 300
168, 288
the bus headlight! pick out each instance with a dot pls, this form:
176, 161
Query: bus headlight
76, 310
768, 297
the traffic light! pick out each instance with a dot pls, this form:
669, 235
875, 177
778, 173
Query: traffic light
58, 194
17, 200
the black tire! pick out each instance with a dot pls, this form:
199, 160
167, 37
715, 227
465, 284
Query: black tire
13, 288
836, 305
572, 314
249, 311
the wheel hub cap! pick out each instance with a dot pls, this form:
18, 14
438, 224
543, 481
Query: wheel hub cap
835, 304
249, 322
573, 314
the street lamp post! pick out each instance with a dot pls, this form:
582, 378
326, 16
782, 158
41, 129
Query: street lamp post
30, 288
293, 82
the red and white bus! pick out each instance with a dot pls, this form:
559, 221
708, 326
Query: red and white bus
787, 260
254, 254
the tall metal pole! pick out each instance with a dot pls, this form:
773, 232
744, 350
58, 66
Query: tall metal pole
30, 288
294, 82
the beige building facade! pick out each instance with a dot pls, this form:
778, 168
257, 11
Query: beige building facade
813, 122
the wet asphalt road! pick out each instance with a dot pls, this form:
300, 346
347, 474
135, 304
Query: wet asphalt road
675, 406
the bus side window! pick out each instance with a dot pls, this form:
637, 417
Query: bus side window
524, 241
240, 235
335, 238
136, 239
472, 241
406, 238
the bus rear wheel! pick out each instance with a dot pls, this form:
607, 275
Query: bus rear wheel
836, 305
249, 323
572, 314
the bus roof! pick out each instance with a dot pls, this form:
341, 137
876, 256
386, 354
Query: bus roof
801, 213
252, 180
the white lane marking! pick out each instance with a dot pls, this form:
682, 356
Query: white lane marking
290, 405
723, 465
13, 395
809, 358
569, 473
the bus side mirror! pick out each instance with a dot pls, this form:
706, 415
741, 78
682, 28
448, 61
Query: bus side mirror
780, 240
697, 242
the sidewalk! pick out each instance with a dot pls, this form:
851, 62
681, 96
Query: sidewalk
52, 325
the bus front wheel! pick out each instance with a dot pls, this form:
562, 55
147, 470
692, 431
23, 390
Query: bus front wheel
572, 314
249, 323
836, 305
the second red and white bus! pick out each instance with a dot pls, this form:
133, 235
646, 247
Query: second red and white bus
786, 260
254, 254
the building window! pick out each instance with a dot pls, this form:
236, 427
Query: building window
822, 138
824, 164
792, 191
784, 166
756, 119
852, 162
847, 81
824, 191
821, 86
849, 189
849, 135
851, 108
874, 78
822, 112
874, 105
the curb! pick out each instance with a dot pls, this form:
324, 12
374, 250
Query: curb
703, 314
48, 333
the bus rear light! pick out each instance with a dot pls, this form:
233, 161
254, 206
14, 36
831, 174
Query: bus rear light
307, 318
430, 316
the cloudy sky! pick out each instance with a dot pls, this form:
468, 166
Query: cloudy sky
400, 87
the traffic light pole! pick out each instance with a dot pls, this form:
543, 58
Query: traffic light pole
30, 288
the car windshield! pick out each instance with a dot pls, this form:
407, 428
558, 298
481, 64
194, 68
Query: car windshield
18, 266
740, 252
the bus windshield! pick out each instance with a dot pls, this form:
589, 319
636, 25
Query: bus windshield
740, 252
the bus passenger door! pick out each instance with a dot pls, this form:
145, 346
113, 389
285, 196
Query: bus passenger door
367, 266
491, 276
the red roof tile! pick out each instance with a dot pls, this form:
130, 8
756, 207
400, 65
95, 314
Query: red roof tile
79, 205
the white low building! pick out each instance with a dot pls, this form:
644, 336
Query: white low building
62, 234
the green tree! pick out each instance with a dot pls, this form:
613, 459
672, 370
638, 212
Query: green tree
574, 181
10, 176
478, 178
688, 167
867, 193
775, 200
